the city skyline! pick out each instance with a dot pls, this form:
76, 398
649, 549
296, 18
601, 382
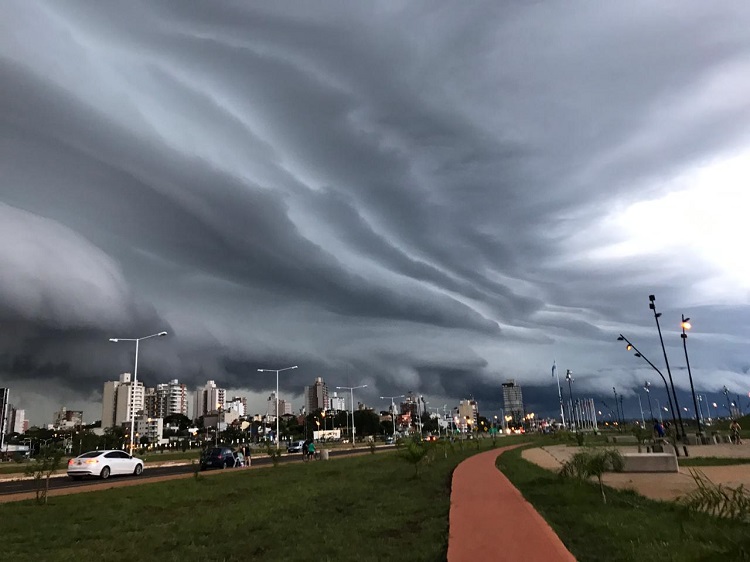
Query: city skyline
437, 197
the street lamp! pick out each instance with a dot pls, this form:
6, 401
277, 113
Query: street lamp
393, 410
637, 353
135, 380
569, 378
351, 389
686, 326
726, 397
277, 371
647, 387
652, 306
559, 393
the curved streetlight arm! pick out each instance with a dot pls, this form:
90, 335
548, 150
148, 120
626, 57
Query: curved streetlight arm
663, 378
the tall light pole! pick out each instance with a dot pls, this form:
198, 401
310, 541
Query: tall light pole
725, 390
393, 409
277, 371
658, 409
640, 355
569, 378
135, 379
617, 409
640, 407
686, 326
652, 306
351, 389
559, 392
647, 388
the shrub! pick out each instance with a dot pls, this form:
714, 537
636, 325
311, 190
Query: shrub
717, 499
585, 464
41, 468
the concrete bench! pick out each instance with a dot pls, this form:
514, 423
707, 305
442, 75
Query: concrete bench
650, 462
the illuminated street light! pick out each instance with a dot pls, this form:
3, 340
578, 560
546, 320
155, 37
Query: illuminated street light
686, 326
652, 306
351, 389
640, 355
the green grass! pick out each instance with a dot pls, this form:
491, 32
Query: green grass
361, 508
711, 461
629, 527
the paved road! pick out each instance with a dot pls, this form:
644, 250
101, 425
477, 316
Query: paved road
21, 486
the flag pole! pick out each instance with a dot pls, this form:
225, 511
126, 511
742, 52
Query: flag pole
559, 392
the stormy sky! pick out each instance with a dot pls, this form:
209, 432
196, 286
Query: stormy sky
426, 196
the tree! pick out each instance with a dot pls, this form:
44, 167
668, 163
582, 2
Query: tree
416, 452
585, 464
183, 422
41, 468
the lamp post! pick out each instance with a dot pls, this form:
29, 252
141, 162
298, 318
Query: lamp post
617, 410
686, 326
658, 409
725, 390
640, 407
135, 380
277, 371
569, 378
647, 387
393, 409
559, 393
652, 306
637, 353
351, 389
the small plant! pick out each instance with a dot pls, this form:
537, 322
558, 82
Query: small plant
642, 435
717, 499
580, 438
371, 445
585, 464
41, 468
274, 453
416, 452
196, 470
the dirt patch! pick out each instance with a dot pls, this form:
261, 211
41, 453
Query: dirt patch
657, 485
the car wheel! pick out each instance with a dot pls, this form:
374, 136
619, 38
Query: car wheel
138, 469
105, 473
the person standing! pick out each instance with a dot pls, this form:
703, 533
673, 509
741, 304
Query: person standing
734, 429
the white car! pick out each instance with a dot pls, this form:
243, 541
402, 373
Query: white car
104, 464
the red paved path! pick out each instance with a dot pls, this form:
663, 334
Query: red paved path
490, 521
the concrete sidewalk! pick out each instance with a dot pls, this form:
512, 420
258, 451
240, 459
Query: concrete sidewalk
490, 521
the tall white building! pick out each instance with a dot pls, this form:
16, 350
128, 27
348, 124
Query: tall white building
209, 399
238, 405
121, 401
167, 399
513, 401
337, 403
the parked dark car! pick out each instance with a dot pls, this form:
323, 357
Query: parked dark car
217, 457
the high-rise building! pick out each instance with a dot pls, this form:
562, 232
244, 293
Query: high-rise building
337, 403
237, 404
316, 396
468, 412
513, 402
166, 399
66, 419
121, 401
209, 399
19, 421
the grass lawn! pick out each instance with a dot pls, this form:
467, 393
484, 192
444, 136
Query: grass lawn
363, 508
629, 527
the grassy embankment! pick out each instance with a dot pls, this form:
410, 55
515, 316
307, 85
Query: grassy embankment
361, 508
629, 527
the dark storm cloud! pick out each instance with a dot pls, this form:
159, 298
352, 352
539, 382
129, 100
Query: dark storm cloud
412, 195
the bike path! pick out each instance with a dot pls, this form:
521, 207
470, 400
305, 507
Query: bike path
491, 521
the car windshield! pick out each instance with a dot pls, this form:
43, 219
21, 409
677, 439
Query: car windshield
90, 455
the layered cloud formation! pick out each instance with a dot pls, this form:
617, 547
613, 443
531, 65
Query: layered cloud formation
412, 196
